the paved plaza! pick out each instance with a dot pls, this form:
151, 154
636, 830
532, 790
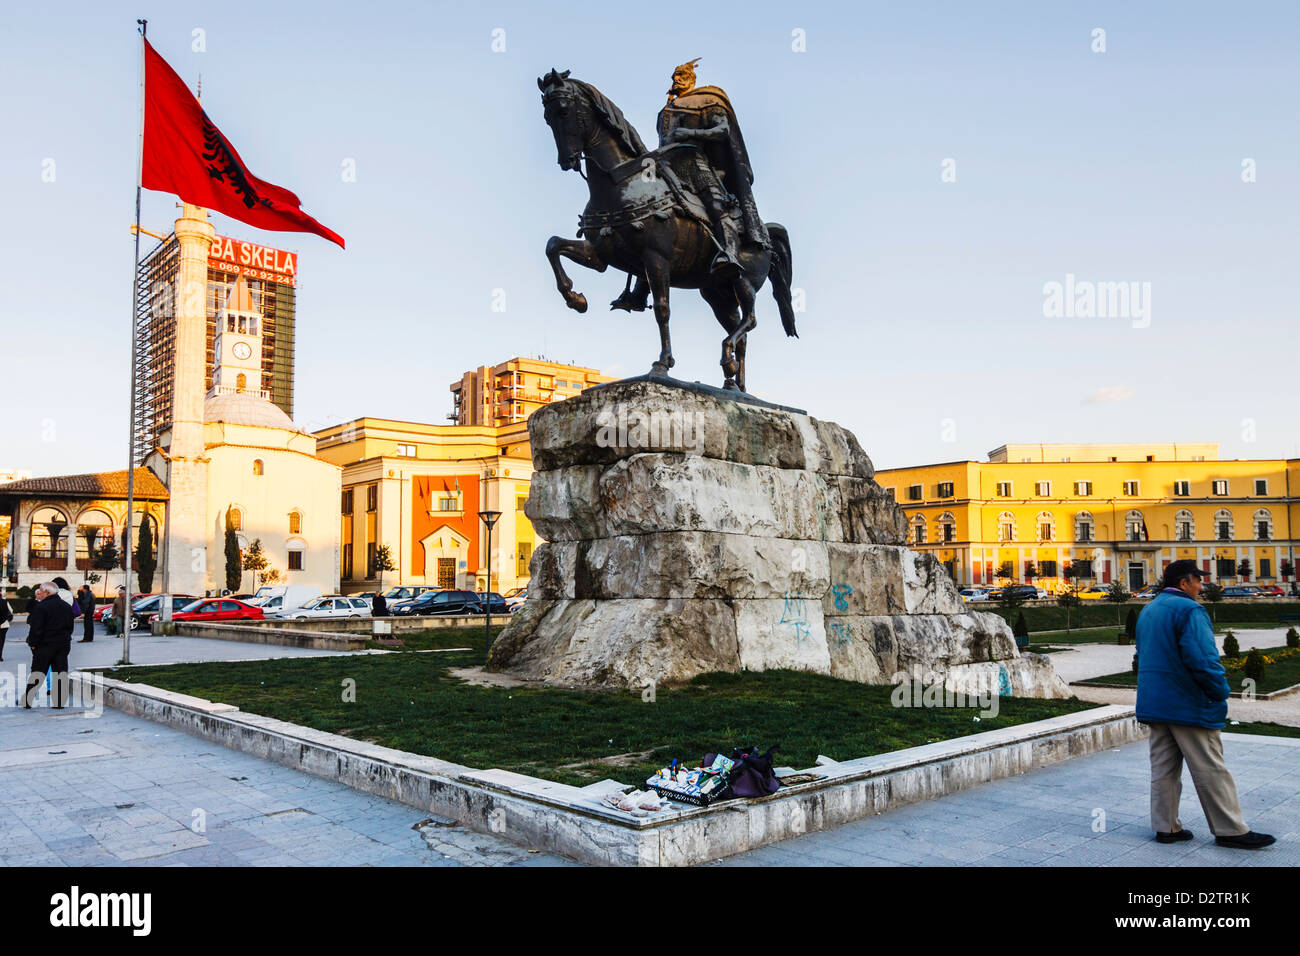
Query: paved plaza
116, 789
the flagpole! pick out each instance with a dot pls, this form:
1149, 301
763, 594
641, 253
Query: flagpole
127, 616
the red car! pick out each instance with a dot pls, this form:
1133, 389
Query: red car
1271, 590
217, 609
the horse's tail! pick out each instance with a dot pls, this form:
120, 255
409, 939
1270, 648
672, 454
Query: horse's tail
780, 272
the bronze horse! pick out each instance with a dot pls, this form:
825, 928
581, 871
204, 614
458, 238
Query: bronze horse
638, 223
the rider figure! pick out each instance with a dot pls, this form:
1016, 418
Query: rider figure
703, 116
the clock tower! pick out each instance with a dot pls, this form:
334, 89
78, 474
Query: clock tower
237, 349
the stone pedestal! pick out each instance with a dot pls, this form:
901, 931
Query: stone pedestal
690, 529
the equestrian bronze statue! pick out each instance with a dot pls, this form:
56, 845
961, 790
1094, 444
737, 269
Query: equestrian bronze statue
681, 216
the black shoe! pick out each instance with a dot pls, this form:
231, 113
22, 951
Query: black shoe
86, 640
1178, 836
1250, 840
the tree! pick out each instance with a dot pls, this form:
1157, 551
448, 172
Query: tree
1031, 571
271, 576
1243, 569
1021, 629
1131, 622
234, 559
255, 560
1007, 571
145, 561
1117, 595
1213, 592
1286, 569
1230, 646
1292, 637
383, 562
1073, 585
106, 559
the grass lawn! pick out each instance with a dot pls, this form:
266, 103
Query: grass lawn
1284, 672
1263, 728
436, 638
409, 701
1085, 635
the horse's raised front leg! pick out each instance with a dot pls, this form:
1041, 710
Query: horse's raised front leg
656, 270
584, 254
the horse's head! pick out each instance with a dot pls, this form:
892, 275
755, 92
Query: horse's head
562, 104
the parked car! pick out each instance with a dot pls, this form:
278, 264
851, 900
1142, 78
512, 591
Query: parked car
1095, 592
439, 602
1241, 590
1148, 592
149, 607
516, 597
406, 592
331, 606
971, 595
1026, 592
1272, 590
217, 609
499, 604
278, 600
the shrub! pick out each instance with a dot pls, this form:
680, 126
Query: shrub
1254, 667
1068, 600
1213, 592
1230, 646
1131, 622
1292, 637
1117, 593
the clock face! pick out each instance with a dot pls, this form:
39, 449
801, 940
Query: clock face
242, 351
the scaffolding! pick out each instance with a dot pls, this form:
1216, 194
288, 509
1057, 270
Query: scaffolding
155, 347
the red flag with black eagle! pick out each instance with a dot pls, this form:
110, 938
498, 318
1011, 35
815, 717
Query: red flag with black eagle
185, 154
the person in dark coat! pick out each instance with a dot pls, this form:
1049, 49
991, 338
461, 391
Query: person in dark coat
6, 618
379, 606
1182, 695
86, 600
49, 635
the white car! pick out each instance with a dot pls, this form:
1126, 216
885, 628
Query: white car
516, 597
975, 595
333, 606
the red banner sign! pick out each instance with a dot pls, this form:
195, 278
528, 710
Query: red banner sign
253, 261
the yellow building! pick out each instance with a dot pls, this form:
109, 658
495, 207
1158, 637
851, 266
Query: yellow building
1115, 512
510, 392
418, 489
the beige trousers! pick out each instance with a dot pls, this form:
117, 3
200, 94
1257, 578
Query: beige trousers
1171, 744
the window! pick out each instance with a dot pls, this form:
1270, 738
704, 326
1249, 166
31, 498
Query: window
949, 532
295, 560
48, 548
449, 502
241, 382
372, 497
1043, 489
918, 530
1082, 568
1223, 525
1083, 488
1044, 532
1083, 526
370, 559
1182, 488
1131, 488
236, 519
1184, 526
1006, 527
945, 489
347, 502
258, 467
405, 451
561, 383
520, 501
913, 492
1220, 486
1265, 568
295, 522
1004, 489
347, 562
1047, 569
1225, 531
1261, 486
1224, 567
525, 554
1263, 525
947, 527
1135, 527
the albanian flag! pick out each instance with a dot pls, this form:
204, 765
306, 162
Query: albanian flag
185, 154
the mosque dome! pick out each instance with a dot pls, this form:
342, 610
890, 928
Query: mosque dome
245, 408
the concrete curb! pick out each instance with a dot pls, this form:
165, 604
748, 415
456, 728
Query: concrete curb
573, 822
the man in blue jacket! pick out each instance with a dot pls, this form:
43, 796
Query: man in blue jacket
1183, 697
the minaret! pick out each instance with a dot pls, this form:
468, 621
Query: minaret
185, 569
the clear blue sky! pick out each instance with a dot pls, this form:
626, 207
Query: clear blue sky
924, 298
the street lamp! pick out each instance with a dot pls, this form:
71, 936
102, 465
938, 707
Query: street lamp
489, 518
